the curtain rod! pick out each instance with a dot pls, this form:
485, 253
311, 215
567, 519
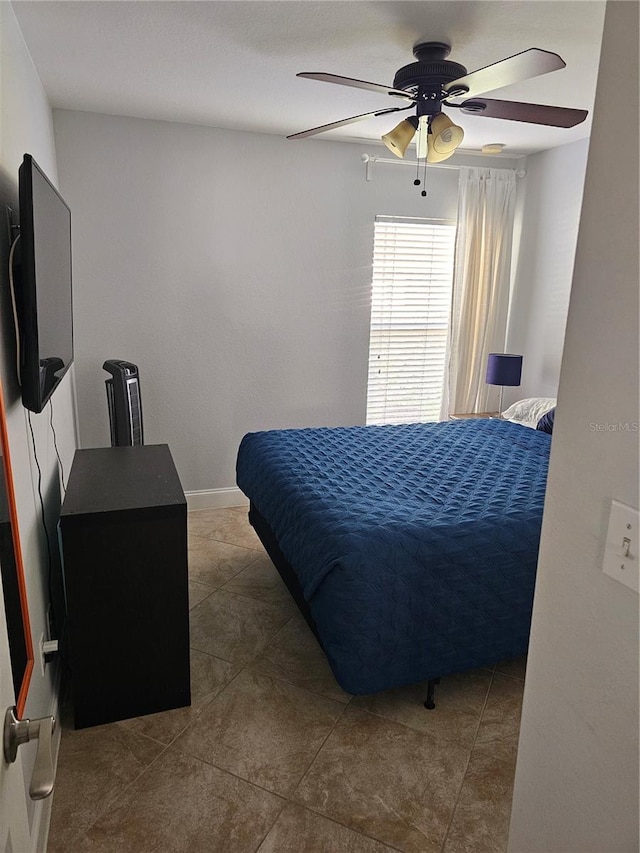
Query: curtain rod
370, 159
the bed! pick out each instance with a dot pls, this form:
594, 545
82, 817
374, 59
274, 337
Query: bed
410, 549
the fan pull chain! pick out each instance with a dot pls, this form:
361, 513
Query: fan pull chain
416, 183
424, 191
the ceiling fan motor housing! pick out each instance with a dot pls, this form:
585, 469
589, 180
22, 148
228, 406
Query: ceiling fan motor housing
426, 78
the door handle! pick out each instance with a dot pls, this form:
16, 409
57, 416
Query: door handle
17, 732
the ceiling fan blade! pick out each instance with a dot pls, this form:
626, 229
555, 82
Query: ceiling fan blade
357, 84
519, 111
342, 122
514, 69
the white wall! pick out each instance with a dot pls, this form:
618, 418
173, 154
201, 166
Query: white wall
27, 126
233, 268
548, 218
576, 788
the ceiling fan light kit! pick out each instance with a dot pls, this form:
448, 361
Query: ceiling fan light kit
443, 137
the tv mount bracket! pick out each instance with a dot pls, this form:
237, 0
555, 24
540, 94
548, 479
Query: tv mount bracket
13, 228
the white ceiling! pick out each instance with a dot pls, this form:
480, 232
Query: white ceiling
233, 64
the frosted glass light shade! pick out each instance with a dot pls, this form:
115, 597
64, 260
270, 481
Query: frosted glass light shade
447, 136
398, 139
434, 156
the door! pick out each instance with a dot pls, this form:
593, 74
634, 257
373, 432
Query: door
14, 817
16, 660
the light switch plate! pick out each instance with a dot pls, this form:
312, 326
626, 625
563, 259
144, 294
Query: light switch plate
621, 553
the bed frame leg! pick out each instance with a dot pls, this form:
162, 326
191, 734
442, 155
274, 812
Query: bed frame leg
431, 687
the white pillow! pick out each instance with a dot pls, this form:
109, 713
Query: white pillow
528, 412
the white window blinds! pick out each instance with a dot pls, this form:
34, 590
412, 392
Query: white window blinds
410, 311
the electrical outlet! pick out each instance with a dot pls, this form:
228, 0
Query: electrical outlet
622, 548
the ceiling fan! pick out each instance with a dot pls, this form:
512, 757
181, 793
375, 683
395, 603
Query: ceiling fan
431, 81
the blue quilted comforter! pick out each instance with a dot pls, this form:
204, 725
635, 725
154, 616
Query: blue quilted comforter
415, 545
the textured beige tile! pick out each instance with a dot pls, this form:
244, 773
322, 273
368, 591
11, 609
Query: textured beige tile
197, 592
517, 667
459, 701
182, 805
229, 524
299, 830
209, 675
234, 627
505, 750
295, 655
95, 766
262, 729
214, 563
387, 781
501, 717
260, 580
481, 819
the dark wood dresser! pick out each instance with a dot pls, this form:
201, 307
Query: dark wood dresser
123, 528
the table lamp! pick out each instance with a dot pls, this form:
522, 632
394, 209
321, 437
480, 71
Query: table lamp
503, 368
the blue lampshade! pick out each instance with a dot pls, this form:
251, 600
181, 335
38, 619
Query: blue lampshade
504, 368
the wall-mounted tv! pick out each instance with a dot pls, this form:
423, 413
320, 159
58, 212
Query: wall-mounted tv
43, 286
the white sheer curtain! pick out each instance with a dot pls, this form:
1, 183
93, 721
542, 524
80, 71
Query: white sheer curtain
481, 281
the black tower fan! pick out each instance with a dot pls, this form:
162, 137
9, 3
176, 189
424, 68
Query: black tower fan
125, 403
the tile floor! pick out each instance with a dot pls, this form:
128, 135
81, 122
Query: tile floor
273, 755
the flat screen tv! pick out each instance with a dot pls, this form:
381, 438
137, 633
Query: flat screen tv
43, 286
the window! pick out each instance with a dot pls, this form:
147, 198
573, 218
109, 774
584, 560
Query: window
410, 310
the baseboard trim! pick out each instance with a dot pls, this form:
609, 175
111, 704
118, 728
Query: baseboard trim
215, 498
